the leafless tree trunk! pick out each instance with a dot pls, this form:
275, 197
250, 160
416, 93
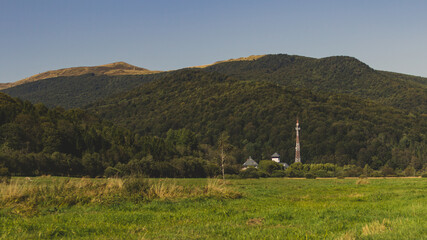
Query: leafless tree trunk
223, 146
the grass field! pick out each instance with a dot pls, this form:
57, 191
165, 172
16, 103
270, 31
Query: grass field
277, 208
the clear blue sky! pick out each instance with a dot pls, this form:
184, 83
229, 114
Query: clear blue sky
41, 35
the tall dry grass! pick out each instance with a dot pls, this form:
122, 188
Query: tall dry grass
59, 192
376, 227
169, 189
362, 181
47, 191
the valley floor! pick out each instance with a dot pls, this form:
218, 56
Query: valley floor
276, 208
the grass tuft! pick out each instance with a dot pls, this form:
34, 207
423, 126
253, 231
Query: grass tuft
376, 227
217, 188
349, 235
362, 181
166, 190
255, 222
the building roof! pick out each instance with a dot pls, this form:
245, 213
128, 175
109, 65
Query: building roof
284, 164
275, 155
250, 162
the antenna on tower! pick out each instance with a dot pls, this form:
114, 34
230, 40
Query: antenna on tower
297, 145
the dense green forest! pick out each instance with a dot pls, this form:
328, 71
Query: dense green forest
76, 91
339, 74
168, 124
333, 74
260, 118
35, 140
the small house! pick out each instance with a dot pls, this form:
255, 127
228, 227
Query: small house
275, 157
250, 163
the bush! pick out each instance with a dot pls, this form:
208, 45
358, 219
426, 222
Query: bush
278, 174
424, 175
376, 174
321, 173
409, 171
295, 170
310, 176
387, 171
269, 166
263, 174
136, 185
249, 173
4, 174
352, 171
112, 172
230, 176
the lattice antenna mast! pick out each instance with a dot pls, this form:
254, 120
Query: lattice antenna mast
297, 147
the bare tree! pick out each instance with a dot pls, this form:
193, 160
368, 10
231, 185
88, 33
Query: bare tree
223, 147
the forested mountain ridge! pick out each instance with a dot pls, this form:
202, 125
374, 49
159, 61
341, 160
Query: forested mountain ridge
76, 91
112, 69
260, 118
338, 74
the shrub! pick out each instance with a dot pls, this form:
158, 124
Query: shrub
321, 173
249, 173
340, 174
4, 174
112, 172
295, 170
409, 171
352, 171
387, 171
136, 185
424, 175
376, 174
268, 166
263, 174
310, 176
231, 176
278, 174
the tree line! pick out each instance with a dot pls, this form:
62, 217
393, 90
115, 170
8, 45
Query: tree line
171, 128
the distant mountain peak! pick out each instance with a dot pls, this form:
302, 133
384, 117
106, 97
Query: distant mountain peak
111, 69
121, 64
250, 58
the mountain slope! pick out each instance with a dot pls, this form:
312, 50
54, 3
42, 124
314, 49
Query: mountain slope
345, 75
112, 69
260, 118
76, 91
333, 74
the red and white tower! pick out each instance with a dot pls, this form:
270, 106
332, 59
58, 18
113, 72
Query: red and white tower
297, 147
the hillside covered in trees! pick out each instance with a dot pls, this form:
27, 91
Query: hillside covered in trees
338, 74
76, 91
260, 118
35, 140
167, 124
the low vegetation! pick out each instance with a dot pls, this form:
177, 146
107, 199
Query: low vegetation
69, 208
29, 195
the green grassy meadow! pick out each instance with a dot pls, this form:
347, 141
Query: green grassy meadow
274, 208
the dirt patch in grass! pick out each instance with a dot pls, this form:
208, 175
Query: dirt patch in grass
255, 222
